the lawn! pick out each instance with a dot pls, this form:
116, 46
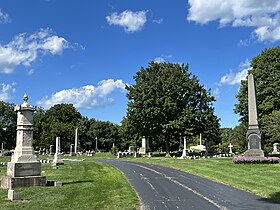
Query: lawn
260, 179
86, 185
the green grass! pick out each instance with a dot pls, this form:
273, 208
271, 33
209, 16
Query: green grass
260, 179
87, 185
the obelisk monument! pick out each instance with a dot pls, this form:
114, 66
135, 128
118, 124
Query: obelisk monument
24, 170
253, 136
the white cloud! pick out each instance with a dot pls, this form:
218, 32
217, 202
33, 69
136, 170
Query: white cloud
87, 96
6, 91
24, 49
264, 16
4, 17
162, 58
233, 78
130, 21
158, 21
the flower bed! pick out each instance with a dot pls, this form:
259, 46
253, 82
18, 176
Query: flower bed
268, 160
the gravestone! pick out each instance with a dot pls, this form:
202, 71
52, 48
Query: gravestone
76, 141
145, 146
230, 148
51, 150
184, 154
72, 153
24, 170
253, 136
276, 148
57, 161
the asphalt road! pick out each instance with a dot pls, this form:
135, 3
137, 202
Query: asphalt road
165, 188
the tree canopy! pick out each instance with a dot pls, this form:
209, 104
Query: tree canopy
167, 100
266, 71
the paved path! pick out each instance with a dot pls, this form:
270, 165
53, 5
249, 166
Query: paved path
165, 188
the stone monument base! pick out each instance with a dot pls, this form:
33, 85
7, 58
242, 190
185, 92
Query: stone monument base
8, 182
254, 153
23, 169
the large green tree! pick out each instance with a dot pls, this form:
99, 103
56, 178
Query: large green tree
59, 121
266, 71
167, 101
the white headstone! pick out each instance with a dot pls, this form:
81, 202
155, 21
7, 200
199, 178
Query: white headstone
230, 148
57, 161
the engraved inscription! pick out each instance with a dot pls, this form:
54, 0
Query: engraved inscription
254, 141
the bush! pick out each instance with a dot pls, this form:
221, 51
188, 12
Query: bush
253, 160
114, 150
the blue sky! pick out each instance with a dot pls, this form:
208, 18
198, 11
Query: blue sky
84, 52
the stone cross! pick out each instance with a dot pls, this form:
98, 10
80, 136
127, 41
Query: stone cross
253, 135
230, 148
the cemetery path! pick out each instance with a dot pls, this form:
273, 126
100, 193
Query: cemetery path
166, 188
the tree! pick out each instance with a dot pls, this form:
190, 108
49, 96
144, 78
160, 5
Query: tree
167, 101
59, 121
7, 125
266, 71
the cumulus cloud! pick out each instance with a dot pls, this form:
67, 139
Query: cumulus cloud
216, 92
264, 16
4, 17
87, 96
130, 21
158, 21
233, 78
6, 91
25, 49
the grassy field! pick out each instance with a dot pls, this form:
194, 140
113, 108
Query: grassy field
260, 179
86, 185
93, 185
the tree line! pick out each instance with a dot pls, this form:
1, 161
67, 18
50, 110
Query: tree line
166, 102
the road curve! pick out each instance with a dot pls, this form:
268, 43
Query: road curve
166, 188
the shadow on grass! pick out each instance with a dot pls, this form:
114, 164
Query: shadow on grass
77, 182
273, 198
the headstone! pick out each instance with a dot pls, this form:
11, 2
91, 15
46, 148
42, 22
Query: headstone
253, 136
230, 148
276, 148
184, 154
72, 153
51, 150
145, 146
96, 148
24, 170
76, 141
57, 161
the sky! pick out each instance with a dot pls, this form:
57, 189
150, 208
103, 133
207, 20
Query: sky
85, 52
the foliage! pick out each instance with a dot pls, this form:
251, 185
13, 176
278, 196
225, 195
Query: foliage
7, 125
167, 101
114, 150
266, 71
254, 160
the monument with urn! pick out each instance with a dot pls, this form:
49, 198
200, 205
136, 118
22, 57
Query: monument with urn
24, 170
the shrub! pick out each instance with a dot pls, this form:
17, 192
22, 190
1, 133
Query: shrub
114, 150
243, 159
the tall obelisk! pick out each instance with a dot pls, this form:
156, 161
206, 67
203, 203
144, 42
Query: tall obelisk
253, 136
